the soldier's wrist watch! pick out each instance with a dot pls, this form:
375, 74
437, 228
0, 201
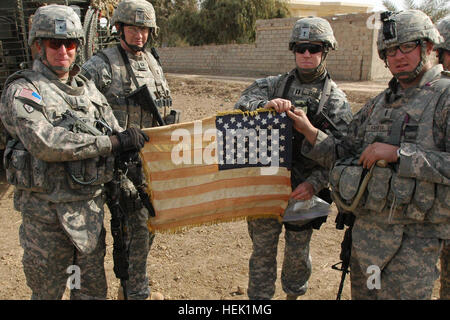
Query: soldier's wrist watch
398, 154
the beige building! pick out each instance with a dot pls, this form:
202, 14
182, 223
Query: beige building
301, 8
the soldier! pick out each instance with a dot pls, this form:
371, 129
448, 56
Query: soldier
117, 72
444, 59
59, 167
403, 217
309, 85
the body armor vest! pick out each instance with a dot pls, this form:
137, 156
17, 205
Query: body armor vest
59, 181
409, 119
147, 71
310, 97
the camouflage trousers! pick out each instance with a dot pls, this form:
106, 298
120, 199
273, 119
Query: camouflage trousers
50, 257
140, 241
445, 272
389, 264
296, 268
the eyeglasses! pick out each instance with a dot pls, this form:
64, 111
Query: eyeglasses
405, 47
137, 29
55, 44
312, 48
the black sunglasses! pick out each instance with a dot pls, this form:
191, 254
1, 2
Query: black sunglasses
55, 44
312, 48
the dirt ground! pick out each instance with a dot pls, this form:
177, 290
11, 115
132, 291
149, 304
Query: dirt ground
200, 263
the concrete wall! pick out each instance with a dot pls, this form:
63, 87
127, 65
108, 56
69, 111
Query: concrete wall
355, 59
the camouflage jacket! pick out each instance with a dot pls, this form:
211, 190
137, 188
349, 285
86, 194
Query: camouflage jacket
31, 110
44, 157
107, 69
288, 86
414, 191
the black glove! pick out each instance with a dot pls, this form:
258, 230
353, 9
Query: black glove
132, 139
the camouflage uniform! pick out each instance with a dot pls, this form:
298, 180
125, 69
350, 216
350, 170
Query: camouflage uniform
107, 69
444, 29
265, 232
62, 221
404, 213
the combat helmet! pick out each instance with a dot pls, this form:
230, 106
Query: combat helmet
444, 29
136, 13
57, 22
405, 26
313, 29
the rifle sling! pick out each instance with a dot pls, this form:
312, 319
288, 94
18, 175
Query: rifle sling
124, 56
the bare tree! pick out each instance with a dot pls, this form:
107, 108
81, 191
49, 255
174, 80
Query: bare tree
435, 9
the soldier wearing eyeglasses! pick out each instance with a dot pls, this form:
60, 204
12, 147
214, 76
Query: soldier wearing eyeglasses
119, 72
309, 87
59, 167
403, 214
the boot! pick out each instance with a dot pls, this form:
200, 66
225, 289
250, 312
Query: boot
291, 297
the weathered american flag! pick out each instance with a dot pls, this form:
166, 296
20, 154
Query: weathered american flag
222, 168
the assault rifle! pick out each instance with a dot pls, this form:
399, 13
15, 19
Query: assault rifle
70, 121
119, 227
143, 98
344, 219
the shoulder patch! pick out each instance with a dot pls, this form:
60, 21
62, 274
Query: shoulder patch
28, 108
29, 94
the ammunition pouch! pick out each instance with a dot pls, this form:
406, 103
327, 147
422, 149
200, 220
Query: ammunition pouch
89, 172
402, 200
354, 187
25, 171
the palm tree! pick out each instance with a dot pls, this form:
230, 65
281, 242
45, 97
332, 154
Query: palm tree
435, 9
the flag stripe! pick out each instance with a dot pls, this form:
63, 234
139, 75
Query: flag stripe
195, 180
278, 203
221, 184
193, 128
183, 172
210, 205
178, 156
223, 216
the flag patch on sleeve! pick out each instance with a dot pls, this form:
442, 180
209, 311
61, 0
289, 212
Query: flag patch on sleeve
29, 94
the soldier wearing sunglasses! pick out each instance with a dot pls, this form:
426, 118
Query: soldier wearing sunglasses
58, 168
309, 87
403, 216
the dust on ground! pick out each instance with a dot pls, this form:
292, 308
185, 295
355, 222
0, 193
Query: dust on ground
200, 263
